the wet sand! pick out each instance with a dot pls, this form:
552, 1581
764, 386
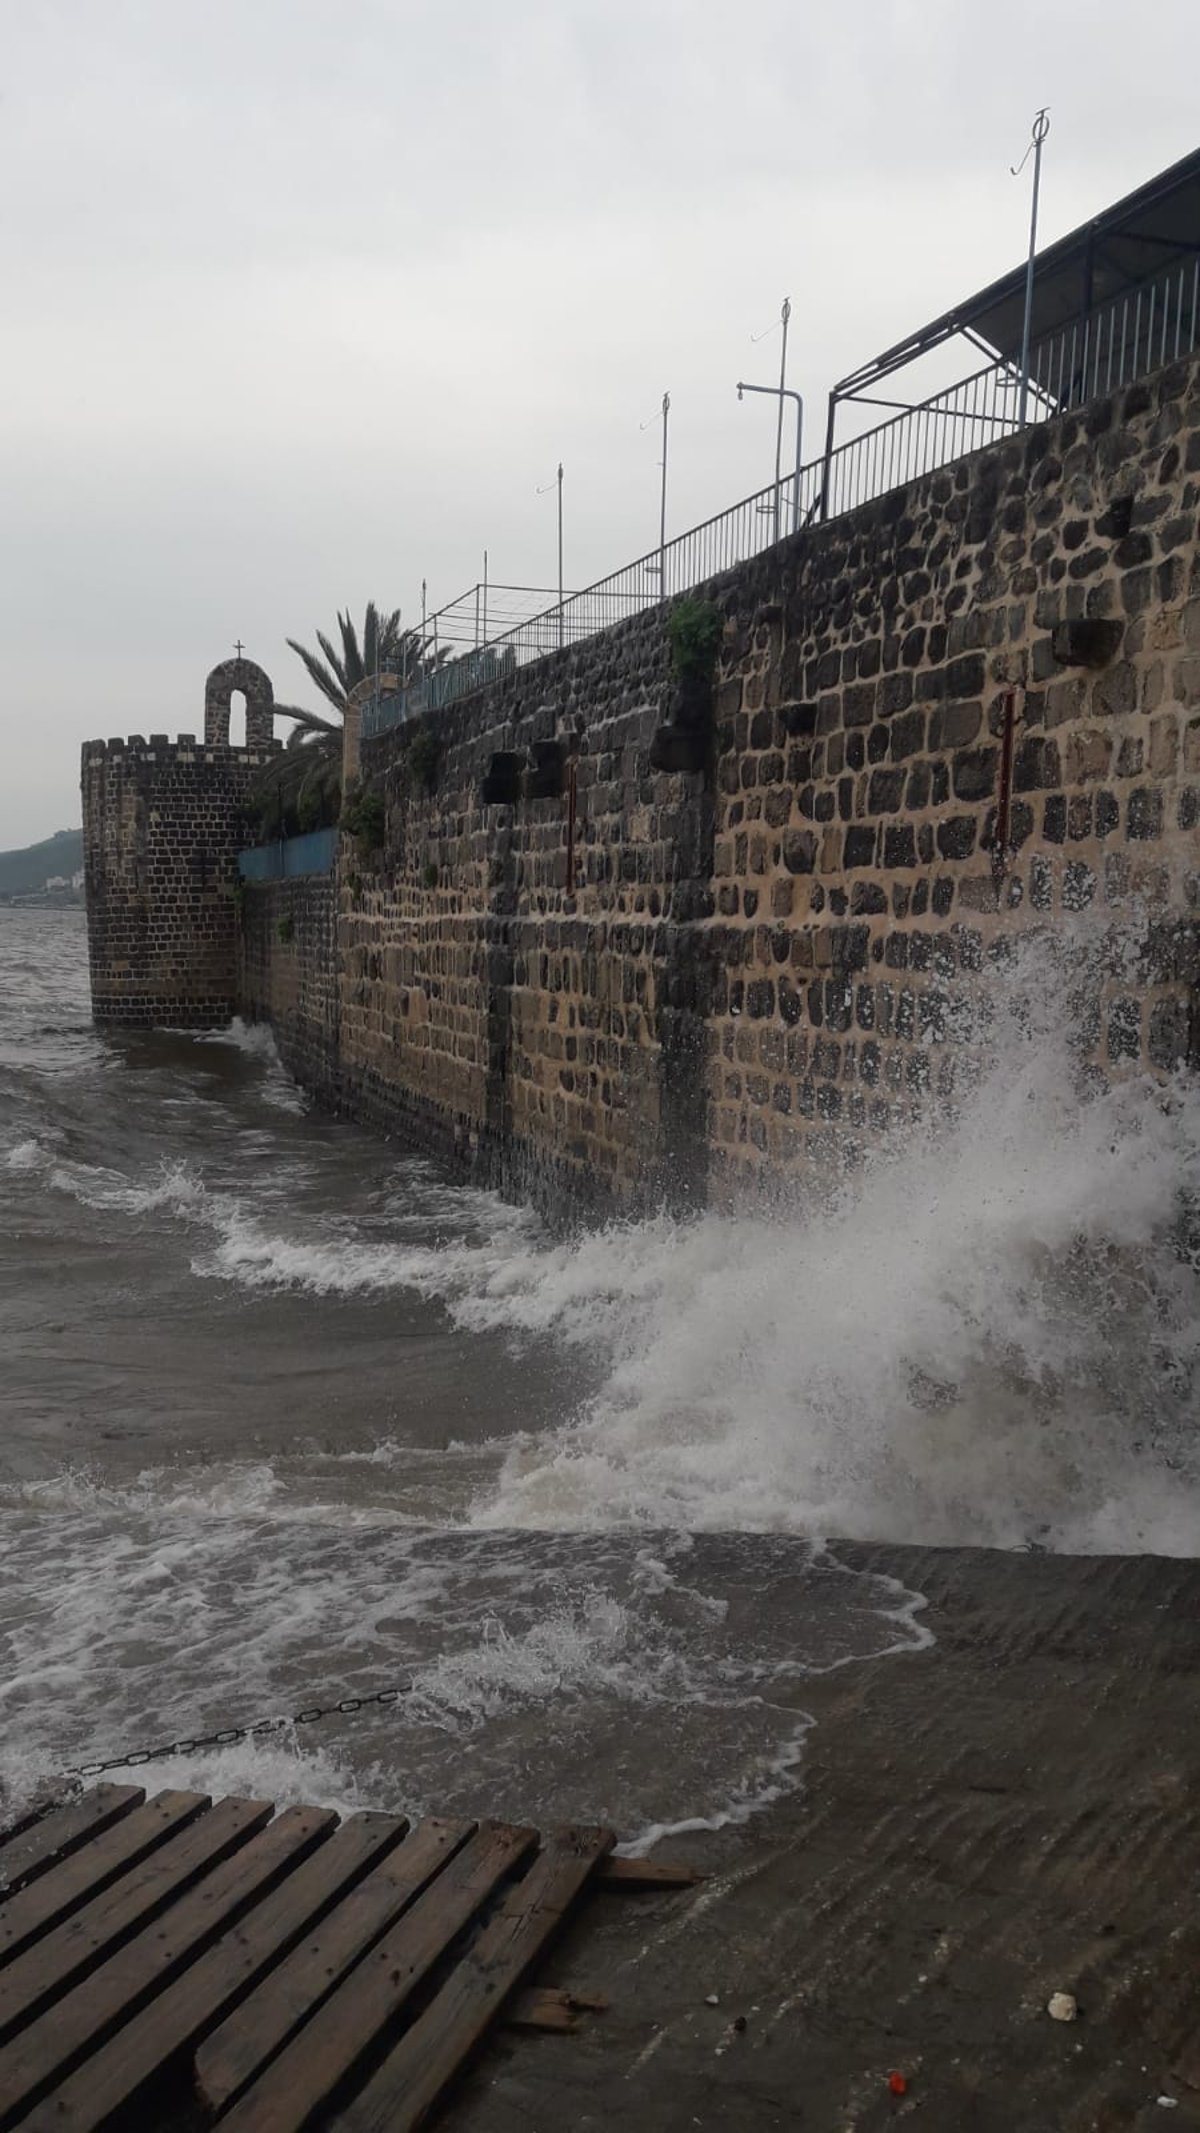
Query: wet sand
1013, 1812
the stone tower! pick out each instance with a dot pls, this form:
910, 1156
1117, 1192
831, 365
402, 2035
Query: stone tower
163, 823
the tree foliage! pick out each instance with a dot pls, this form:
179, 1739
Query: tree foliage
302, 788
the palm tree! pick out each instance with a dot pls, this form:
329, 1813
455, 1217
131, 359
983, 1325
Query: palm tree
303, 786
386, 649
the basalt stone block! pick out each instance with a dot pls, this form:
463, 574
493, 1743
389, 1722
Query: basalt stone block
895, 694
850, 947
799, 721
1125, 1029
899, 845
1036, 765
1145, 817
954, 726
886, 791
1086, 640
1114, 522
867, 897
907, 735
1170, 1035
800, 849
975, 773
859, 847
1116, 691
956, 838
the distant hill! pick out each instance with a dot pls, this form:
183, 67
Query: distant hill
23, 872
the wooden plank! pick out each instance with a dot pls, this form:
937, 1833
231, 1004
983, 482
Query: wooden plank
51, 1793
29, 1851
262, 2025
81, 1942
413, 2076
53, 2045
121, 2071
645, 1874
548, 2007
296, 2087
549, 2013
93, 1867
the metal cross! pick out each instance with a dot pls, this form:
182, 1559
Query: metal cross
238, 647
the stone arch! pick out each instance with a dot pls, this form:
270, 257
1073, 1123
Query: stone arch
255, 686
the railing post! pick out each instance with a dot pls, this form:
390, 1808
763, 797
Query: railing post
827, 467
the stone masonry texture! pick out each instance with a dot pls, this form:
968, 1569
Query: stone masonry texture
162, 827
965, 711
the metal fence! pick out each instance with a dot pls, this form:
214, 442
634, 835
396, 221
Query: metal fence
1123, 340
290, 857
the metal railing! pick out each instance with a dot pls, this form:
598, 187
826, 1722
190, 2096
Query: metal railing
290, 857
1135, 333
1122, 340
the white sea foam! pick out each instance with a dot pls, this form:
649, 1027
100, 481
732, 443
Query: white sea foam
575, 1673
990, 1336
25, 1155
993, 1337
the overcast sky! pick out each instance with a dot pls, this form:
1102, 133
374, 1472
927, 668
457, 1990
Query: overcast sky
303, 300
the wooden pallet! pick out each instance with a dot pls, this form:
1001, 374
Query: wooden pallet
292, 1970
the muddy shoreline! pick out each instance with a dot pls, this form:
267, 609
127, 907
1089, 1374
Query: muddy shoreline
1012, 1812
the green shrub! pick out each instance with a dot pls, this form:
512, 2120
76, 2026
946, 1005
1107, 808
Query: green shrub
429, 874
364, 817
286, 928
694, 628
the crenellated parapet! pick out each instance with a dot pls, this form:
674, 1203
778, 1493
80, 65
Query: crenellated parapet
163, 823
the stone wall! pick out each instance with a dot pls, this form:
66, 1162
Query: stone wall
287, 974
162, 827
607, 942
970, 708
517, 963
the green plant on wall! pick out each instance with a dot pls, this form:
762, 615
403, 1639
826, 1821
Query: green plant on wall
364, 817
429, 874
286, 928
694, 628
423, 757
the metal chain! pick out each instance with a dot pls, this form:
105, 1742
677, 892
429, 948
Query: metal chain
224, 1737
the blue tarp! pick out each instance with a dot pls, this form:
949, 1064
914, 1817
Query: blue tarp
314, 854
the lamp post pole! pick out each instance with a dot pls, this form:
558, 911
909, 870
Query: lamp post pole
783, 393
662, 514
662, 507
558, 481
560, 555
784, 315
1041, 127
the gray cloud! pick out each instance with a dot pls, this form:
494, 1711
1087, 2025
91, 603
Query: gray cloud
304, 300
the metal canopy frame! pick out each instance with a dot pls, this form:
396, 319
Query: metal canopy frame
1100, 260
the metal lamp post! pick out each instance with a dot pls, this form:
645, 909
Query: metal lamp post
558, 482
782, 393
1041, 127
662, 509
